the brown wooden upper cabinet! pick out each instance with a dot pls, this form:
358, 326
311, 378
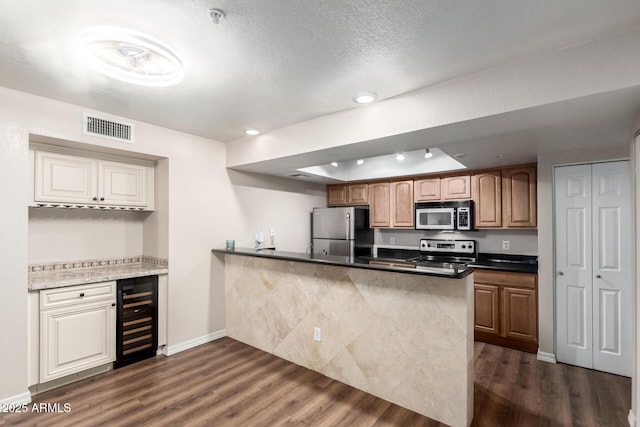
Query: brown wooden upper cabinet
426, 190
487, 196
519, 196
379, 205
505, 198
347, 194
336, 195
402, 209
455, 187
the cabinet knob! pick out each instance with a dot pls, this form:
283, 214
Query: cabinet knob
113, 304
102, 199
81, 294
560, 273
95, 199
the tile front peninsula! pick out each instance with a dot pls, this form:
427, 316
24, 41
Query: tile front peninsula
407, 338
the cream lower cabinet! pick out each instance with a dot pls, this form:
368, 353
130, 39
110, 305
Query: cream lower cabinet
77, 329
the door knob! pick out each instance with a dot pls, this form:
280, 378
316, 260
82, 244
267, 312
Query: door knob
598, 277
560, 273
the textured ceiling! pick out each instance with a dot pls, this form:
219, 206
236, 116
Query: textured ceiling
275, 63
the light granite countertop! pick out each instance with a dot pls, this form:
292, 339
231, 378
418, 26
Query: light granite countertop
104, 273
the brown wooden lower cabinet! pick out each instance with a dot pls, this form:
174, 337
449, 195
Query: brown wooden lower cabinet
506, 309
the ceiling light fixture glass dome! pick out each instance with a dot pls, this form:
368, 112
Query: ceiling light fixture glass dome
252, 131
129, 56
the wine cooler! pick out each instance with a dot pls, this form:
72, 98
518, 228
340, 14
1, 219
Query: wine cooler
137, 320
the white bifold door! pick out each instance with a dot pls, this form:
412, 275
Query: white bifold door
593, 266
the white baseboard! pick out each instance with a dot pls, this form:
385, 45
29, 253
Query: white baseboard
170, 350
543, 356
20, 399
632, 418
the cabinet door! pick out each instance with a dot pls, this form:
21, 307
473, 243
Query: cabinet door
456, 187
76, 338
357, 194
63, 178
379, 209
336, 195
122, 184
519, 197
426, 190
487, 195
402, 209
487, 311
520, 314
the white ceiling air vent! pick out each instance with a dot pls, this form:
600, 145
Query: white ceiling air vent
109, 129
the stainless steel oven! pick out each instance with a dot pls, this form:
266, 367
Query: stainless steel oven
452, 216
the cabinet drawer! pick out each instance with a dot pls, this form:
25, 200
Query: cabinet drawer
70, 295
509, 278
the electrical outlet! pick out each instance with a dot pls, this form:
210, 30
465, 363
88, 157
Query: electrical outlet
506, 244
317, 334
392, 240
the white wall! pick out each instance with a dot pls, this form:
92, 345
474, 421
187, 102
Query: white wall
74, 234
522, 242
13, 258
284, 204
199, 210
546, 272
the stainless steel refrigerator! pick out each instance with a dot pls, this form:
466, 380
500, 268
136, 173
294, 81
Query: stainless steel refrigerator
342, 232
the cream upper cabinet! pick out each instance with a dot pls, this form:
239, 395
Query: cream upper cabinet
72, 181
62, 178
122, 184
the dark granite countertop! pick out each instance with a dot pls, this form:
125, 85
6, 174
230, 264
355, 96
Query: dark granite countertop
507, 262
503, 262
345, 262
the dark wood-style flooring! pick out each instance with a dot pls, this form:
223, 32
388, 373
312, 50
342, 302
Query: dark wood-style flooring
227, 383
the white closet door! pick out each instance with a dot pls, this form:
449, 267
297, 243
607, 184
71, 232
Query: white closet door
612, 290
573, 265
594, 300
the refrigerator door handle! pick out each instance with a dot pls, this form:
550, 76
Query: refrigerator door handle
348, 224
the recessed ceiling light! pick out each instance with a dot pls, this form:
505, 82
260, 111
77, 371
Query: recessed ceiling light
359, 162
252, 131
334, 164
365, 98
427, 154
129, 56
399, 156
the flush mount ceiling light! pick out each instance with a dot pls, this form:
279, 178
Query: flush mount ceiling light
252, 131
427, 154
334, 164
365, 98
129, 56
360, 162
399, 156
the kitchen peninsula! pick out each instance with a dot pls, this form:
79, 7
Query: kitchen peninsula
401, 334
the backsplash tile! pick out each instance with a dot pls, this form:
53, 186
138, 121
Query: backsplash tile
78, 264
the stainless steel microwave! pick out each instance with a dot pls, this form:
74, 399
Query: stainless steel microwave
445, 215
